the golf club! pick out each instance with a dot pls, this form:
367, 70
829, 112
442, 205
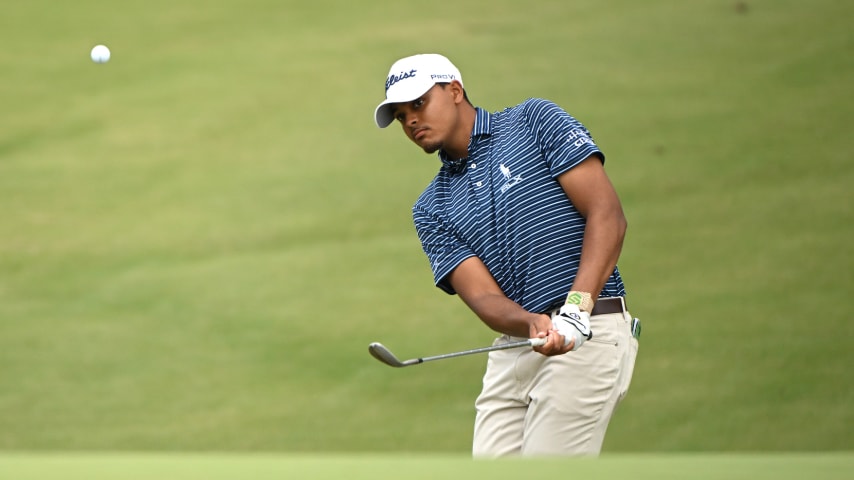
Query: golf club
384, 355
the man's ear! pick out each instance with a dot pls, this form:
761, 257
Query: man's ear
457, 91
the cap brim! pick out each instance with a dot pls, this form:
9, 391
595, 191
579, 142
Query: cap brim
383, 114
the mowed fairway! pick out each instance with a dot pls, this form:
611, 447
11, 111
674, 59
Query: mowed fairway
424, 467
199, 239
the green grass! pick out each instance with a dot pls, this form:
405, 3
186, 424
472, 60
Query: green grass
415, 467
199, 239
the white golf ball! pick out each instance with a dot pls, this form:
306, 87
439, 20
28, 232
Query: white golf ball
100, 54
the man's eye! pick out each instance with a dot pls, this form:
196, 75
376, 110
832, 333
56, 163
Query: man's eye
399, 117
418, 103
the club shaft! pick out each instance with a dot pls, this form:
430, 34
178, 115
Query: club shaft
381, 353
492, 348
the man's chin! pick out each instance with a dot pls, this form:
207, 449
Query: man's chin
431, 147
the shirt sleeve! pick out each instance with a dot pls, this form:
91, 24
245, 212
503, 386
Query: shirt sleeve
564, 141
444, 249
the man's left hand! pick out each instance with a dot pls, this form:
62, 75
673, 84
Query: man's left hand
573, 324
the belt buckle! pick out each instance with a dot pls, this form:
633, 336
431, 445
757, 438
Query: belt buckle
636, 328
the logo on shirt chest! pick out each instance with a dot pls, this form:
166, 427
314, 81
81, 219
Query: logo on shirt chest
509, 179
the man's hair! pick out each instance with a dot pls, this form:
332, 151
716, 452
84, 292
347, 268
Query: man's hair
465, 94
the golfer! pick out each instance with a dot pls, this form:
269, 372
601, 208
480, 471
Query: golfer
523, 224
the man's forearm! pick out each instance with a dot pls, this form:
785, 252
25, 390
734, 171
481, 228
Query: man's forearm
600, 250
502, 314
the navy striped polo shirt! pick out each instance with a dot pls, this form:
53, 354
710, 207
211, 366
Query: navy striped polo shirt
504, 205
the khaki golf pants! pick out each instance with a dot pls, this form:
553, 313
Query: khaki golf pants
533, 405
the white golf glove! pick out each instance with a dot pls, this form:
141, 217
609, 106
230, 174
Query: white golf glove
573, 324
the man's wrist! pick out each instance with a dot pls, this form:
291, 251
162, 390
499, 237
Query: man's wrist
583, 299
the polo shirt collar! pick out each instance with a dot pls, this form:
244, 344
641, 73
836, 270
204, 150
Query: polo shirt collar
482, 128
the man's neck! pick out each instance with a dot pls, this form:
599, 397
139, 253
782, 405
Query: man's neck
459, 148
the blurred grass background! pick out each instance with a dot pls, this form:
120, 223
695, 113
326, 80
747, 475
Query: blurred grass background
199, 239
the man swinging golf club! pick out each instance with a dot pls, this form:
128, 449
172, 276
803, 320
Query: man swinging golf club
523, 224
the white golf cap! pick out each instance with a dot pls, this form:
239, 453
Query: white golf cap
411, 77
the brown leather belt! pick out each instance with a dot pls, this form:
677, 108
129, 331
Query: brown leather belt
604, 306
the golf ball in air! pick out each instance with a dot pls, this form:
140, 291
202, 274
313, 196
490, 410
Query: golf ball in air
100, 54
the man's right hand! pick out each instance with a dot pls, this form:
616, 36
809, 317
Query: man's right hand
556, 342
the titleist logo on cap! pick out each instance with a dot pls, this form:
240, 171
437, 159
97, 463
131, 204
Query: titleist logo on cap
392, 79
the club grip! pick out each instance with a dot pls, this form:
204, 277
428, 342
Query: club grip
537, 342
